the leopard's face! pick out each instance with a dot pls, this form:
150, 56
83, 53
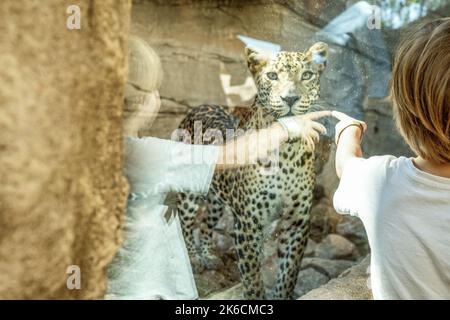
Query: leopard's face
288, 82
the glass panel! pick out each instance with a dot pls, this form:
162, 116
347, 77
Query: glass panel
255, 224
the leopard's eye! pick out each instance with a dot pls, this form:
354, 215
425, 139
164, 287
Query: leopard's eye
272, 75
307, 75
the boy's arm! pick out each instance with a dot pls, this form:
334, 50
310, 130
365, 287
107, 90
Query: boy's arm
348, 140
349, 147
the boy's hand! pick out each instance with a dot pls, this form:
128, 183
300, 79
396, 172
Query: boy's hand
350, 131
348, 126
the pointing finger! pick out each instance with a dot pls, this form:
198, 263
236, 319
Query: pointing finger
317, 114
341, 116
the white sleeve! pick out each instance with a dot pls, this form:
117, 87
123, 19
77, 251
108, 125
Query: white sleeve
166, 165
361, 184
192, 167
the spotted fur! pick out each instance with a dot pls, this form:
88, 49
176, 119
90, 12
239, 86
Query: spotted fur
288, 83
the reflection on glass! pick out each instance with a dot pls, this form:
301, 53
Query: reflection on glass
203, 55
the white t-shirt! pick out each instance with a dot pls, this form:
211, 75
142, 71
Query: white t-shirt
406, 213
153, 261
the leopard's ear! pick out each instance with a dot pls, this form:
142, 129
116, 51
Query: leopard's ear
256, 60
318, 55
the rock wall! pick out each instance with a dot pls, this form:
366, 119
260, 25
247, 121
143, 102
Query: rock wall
197, 42
62, 193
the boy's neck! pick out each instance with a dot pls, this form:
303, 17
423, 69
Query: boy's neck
437, 169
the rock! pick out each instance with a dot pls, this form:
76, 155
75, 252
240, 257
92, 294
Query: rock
308, 280
323, 219
234, 293
334, 218
322, 153
353, 229
271, 230
353, 284
211, 281
224, 242
164, 125
226, 222
319, 221
310, 248
270, 256
332, 268
231, 269
336, 247
62, 192
319, 192
269, 271
328, 178
382, 135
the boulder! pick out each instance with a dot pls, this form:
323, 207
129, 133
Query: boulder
335, 246
327, 179
211, 281
224, 242
309, 279
234, 293
310, 248
323, 219
353, 229
270, 256
353, 284
331, 268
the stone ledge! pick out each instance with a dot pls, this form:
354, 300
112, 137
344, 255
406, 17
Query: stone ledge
352, 284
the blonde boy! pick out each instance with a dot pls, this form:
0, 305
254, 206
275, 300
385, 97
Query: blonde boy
404, 203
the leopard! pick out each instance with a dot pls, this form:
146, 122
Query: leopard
288, 83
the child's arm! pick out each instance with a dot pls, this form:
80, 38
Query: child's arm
349, 133
255, 145
360, 179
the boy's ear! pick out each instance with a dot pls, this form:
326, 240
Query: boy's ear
256, 60
318, 55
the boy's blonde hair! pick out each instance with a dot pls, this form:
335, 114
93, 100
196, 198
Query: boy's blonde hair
420, 90
144, 75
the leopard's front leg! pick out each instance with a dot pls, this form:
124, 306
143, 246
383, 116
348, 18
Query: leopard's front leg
291, 247
214, 211
248, 243
294, 229
187, 206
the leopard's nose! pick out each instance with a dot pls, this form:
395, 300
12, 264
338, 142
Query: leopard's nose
290, 100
